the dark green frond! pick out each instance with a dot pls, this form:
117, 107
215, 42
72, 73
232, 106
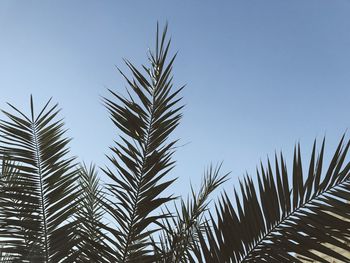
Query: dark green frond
143, 155
180, 235
91, 246
276, 219
41, 197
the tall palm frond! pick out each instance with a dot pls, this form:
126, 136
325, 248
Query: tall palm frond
43, 193
276, 219
91, 246
143, 156
179, 235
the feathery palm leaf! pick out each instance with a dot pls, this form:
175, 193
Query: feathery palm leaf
91, 246
281, 218
43, 192
143, 156
180, 231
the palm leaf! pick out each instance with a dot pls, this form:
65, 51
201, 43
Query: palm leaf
143, 155
44, 190
275, 219
91, 246
179, 235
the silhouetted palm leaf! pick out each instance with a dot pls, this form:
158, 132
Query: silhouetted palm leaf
180, 231
91, 246
41, 198
279, 219
142, 157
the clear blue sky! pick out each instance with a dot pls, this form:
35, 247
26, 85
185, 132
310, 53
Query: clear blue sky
260, 75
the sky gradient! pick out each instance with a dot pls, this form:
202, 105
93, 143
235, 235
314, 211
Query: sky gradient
261, 75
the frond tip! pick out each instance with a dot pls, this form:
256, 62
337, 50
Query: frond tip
276, 219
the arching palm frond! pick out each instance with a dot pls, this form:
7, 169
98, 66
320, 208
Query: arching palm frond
179, 235
143, 156
43, 191
91, 246
276, 219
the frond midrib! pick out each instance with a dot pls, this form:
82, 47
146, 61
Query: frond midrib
42, 201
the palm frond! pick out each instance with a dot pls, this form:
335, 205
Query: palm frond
275, 219
179, 235
91, 246
43, 193
143, 155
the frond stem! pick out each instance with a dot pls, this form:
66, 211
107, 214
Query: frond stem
42, 201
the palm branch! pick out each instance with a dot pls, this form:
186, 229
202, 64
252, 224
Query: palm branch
143, 155
91, 246
179, 235
41, 198
277, 219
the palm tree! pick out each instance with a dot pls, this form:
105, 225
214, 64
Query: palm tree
53, 209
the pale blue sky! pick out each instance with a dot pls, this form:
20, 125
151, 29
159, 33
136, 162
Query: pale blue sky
260, 75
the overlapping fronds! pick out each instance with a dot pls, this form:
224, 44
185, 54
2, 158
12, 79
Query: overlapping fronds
53, 211
180, 235
142, 156
285, 215
39, 199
